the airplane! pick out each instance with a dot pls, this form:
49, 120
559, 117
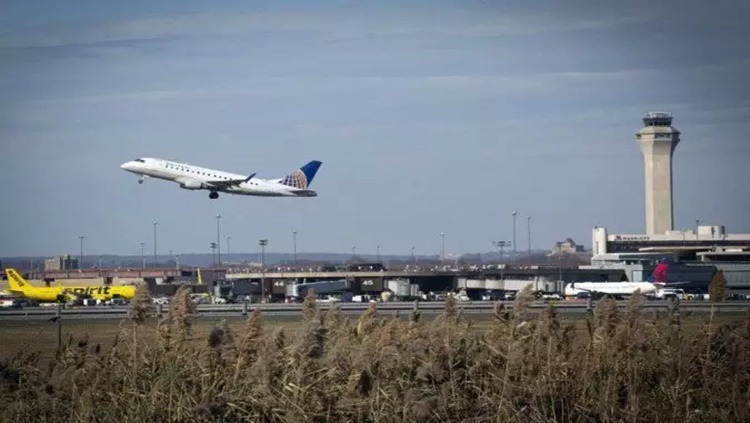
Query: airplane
656, 282
190, 177
20, 286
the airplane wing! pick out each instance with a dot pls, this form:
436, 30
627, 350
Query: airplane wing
223, 183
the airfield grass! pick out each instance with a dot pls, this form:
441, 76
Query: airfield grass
41, 336
515, 366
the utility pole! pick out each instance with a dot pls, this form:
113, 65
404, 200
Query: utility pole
218, 240
155, 259
514, 237
294, 247
263, 243
80, 256
442, 248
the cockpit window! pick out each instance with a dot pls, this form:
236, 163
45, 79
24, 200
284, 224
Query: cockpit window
139, 160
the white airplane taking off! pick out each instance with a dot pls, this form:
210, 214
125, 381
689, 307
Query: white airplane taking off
191, 177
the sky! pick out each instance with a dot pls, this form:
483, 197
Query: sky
428, 116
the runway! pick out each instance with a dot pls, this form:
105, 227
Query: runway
295, 310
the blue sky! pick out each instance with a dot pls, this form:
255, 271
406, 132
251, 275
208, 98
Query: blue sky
428, 117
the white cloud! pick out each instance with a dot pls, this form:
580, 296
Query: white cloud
335, 25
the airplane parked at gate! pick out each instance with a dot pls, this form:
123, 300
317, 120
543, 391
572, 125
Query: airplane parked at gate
20, 286
296, 184
656, 282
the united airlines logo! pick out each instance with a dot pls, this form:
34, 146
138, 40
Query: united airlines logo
297, 180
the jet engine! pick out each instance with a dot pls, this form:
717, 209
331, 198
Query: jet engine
191, 184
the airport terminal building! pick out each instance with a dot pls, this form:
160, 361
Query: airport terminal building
708, 247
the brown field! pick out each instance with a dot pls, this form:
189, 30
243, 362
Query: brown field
511, 367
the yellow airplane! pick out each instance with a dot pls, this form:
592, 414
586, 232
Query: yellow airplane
19, 285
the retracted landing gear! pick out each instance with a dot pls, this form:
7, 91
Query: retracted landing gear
213, 195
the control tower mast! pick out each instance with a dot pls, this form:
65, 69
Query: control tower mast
658, 140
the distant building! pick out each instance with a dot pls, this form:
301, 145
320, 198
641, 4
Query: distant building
61, 263
567, 247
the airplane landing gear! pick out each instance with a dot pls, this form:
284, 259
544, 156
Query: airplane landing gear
213, 195
142, 179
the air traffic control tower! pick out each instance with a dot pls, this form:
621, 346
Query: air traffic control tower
658, 140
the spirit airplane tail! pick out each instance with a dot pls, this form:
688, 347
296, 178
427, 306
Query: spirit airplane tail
17, 284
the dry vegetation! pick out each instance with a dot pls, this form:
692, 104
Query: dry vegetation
626, 367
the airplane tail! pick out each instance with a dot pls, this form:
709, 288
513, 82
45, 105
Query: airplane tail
659, 277
16, 282
302, 177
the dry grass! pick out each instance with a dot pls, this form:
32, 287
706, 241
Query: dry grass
623, 366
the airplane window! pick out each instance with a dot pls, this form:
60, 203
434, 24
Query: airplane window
139, 160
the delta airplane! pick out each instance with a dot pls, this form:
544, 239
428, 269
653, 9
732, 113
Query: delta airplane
20, 286
657, 281
191, 177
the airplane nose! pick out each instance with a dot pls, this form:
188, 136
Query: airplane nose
125, 165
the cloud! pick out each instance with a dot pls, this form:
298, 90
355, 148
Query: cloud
341, 24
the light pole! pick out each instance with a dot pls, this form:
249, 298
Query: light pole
500, 245
171, 256
442, 248
354, 251
528, 234
218, 240
80, 256
213, 256
514, 237
263, 243
143, 254
413, 258
378, 253
155, 260
228, 237
294, 247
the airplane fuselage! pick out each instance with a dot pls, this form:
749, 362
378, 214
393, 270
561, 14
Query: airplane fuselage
20, 286
200, 178
610, 288
101, 293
